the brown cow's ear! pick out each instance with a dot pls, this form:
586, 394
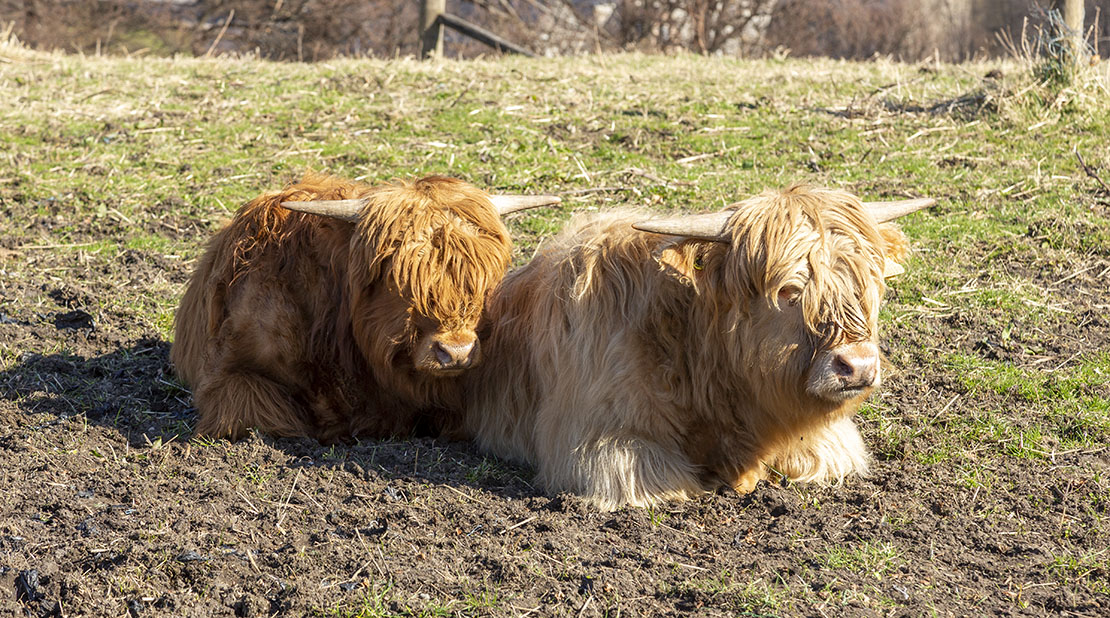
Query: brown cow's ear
682, 259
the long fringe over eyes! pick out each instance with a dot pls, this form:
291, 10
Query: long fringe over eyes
445, 244
830, 233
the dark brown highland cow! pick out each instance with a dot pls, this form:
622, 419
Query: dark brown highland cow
354, 320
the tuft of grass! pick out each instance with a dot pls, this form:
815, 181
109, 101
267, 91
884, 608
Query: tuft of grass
866, 557
1059, 77
375, 603
741, 596
386, 600
490, 472
1089, 569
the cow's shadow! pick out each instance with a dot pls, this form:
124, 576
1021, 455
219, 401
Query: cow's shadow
133, 391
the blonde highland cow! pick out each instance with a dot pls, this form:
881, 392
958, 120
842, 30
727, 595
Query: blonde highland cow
633, 366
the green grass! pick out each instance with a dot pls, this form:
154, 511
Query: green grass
490, 471
868, 558
111, 162
1062, 410
384, 600
739, 594
1090, 568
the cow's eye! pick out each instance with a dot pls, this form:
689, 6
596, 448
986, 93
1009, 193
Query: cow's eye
790, 295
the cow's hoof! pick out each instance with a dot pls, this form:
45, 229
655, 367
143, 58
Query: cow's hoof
747, 481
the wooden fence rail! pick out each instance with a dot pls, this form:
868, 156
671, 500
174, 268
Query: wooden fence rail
434, 17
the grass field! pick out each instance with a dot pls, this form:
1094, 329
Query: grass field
990, 495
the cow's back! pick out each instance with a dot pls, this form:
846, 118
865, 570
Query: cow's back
569, 359
266, 293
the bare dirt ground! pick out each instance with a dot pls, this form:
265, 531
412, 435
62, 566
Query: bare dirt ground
108, 507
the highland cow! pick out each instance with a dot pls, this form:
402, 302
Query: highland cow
354, 317
633, 366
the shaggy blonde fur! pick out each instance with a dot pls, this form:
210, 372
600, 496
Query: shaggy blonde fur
633, 368
299, 325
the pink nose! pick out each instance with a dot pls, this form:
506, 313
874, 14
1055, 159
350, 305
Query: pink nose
856, 366
453, 355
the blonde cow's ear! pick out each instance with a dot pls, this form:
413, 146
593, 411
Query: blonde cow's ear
892, 269
895, 249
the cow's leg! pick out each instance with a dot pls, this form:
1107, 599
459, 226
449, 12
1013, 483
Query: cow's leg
613, 472
233, 402
826, 454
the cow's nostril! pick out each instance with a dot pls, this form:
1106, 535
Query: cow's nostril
856, 370
442, 355
843, 367
453, 355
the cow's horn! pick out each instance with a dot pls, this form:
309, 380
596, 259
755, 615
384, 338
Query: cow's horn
347, 210
705, 227
713, 226
889, 211
506, 204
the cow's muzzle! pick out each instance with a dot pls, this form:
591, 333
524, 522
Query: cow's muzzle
448, 353
454, 355
844, 372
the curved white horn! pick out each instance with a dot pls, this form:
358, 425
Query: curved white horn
347, 210
506, 204
889, 211
711, 226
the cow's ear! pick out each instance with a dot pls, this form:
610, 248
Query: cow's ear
892, 269
895, 249
683, 259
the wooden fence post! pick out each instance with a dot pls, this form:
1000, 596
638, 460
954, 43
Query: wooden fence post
431, 28
1073, 17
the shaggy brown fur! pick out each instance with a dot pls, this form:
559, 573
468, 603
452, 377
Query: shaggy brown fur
632, 367
300, 325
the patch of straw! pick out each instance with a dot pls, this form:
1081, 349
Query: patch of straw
1056, 80
11, 48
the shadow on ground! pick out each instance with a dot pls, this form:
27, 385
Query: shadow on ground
133, 391
130, 389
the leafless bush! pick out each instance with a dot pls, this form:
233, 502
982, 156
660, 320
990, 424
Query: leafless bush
278, 29
577, 26
93, 25
319, 29
907, 29
316, 29
703, 26
303, 29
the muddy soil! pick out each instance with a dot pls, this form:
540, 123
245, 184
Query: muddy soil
109, 508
